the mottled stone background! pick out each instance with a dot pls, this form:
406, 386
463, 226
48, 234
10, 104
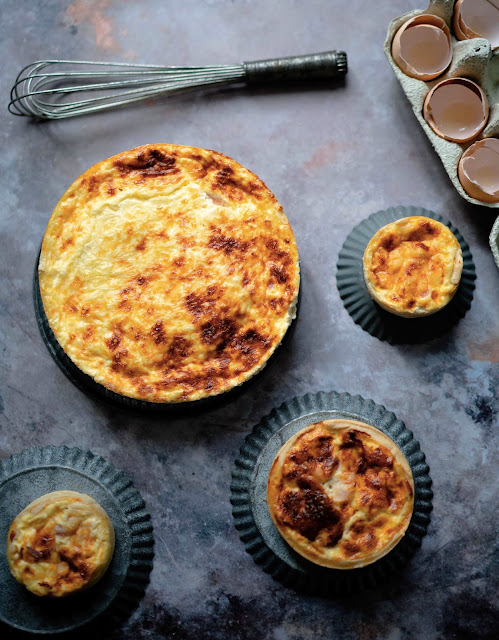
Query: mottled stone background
332, 157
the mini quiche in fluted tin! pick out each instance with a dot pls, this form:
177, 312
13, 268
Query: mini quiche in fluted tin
331, 494
60, 544
76, 532
169, 274
341, 493
413, 266
405, 275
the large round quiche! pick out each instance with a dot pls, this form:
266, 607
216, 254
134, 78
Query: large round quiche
169, 274
341, 493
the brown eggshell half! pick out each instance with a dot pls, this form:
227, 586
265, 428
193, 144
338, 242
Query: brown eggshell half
478, 170
430, 30
456, 109
477, 19
457, 26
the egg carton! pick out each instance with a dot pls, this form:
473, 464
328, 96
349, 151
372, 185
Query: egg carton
473, 59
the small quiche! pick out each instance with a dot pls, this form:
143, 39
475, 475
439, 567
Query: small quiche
169, 274
341, 493
60, 544
412, 267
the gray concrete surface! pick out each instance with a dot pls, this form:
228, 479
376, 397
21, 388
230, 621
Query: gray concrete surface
332, 157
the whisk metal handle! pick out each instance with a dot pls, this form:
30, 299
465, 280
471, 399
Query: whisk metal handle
316, 66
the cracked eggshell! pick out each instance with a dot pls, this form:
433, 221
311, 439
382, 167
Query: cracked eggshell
456, 109
422, 47
477, 19
479, 170
472, 59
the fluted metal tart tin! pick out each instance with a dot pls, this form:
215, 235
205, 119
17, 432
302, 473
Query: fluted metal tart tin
95, 390
370, 316
249, 494
34, 472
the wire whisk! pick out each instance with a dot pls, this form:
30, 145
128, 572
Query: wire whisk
54, 89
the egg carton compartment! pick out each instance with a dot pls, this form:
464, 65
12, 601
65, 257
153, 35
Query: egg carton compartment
473, 59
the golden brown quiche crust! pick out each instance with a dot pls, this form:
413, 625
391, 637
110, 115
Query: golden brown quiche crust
412, 267
341, 493
169, 273
59, 544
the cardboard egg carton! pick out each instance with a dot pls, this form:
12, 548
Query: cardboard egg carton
473, 59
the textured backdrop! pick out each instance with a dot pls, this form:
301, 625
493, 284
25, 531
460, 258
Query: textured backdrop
332, 157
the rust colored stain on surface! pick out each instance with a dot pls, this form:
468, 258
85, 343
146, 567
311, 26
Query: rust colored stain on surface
487, 351
322, 157
81, 11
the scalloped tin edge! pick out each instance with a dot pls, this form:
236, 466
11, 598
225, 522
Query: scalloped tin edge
248, 465
133, 511
367, 314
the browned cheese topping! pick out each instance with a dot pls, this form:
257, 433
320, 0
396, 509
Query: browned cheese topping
413, 265
61, 543
169, 273
340, 490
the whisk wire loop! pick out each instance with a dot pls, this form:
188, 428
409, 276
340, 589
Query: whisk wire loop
47, 89
41, 89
